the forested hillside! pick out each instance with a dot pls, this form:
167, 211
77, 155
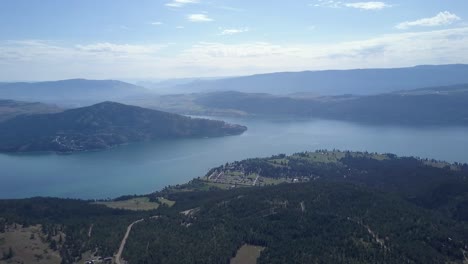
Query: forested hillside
339, 207
102, 126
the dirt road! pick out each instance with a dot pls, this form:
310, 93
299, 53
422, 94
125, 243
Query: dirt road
118, 256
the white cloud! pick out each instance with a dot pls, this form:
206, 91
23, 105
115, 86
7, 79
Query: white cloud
368, 5
181, 3
359, 5
199, 18
327, 3
441, 19
44, 60
230, 8
233, 31
121, 50
157, 23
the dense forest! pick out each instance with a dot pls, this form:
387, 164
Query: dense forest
429, 183
356, 208
299, 223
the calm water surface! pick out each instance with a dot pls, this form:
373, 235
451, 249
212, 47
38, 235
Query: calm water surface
145, 167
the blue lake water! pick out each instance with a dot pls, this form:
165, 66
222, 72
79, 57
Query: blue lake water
145, 167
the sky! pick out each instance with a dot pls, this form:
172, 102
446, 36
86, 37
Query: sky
163, 39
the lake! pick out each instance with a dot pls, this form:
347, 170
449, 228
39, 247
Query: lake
145, 167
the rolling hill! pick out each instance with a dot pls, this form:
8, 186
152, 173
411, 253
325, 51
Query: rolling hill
102, 126
10, 108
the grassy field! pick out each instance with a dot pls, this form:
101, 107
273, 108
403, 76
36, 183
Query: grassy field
135, 204
247, 254
28, 246
165, 201
271, 181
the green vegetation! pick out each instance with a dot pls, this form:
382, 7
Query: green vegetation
165, 201
299, 223
348, 207
136, 204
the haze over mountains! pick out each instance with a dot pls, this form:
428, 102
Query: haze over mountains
421, 95
316, 83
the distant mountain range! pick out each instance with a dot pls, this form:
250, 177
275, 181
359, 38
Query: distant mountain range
433, 106
336, 82
74, 91
102, 126
81, 92
445, 105
10, 109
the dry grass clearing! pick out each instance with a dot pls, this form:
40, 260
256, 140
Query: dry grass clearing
135, 204
247, 254
28, 245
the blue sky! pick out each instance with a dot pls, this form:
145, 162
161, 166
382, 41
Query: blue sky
124, 39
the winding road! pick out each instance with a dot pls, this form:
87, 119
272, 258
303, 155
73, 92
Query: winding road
118, 256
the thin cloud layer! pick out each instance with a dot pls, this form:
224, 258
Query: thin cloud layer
372, 5
368, 5
441, 19
199, 18
181, 3
116, 49
233, 31
48, 60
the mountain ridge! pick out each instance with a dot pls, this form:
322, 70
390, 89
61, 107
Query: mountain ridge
334, 82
